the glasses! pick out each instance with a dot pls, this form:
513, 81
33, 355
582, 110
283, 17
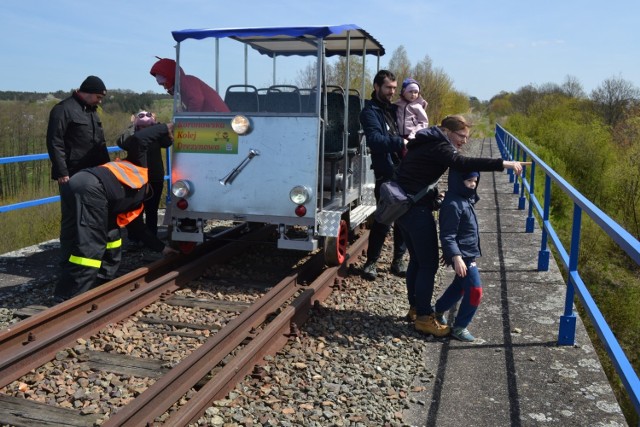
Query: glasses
143, 115
462, 136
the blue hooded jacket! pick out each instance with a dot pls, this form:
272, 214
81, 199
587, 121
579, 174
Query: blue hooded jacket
458, 223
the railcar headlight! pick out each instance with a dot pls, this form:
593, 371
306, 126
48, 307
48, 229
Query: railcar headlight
299, 194
181, 189
240, 125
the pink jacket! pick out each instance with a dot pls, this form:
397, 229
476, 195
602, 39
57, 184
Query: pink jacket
411, 117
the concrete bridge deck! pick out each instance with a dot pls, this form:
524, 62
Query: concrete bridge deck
516, 374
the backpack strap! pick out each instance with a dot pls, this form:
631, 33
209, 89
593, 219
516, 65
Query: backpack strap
423, 192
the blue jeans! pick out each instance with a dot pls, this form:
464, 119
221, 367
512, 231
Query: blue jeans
467, 288
418, 228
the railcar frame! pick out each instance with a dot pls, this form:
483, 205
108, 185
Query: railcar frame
285, 155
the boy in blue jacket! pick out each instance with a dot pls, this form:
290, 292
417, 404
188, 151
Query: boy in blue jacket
460, 242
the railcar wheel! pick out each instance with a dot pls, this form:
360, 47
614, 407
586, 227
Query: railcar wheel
335, 248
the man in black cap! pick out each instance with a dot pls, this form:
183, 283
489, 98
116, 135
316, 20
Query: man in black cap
75, 141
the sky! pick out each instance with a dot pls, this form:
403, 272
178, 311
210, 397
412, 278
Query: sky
485, 47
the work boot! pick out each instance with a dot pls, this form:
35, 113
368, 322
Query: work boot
429, 325
411, 315
399, 267
440, 318
369, 271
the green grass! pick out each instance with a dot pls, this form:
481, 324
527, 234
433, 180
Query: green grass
29, 226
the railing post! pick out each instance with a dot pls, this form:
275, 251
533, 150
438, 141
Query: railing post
516, 182
521, 199
509, 156
543, 254
567, 332
499, 138
531, 221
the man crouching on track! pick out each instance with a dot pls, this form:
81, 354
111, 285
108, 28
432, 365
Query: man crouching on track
108, 197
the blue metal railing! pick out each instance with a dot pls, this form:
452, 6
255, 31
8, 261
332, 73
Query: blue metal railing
53, 199
511, 148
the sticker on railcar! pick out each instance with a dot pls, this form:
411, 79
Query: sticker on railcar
212, 136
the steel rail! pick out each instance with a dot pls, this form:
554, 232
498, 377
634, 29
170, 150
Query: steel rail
160, 396
35, 341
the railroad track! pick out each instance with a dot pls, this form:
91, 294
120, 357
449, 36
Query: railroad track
208, 357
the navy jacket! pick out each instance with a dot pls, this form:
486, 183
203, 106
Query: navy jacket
458, 223
384, 144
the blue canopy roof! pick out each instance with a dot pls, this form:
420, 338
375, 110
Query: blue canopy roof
293, 40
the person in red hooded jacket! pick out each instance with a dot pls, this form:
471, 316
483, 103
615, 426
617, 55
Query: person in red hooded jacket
195, 94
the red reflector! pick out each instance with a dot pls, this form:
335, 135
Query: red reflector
186, 247
182, 204
301, 210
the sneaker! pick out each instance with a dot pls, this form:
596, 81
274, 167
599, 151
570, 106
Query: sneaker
399, 267
369, 271
462, 334
440, 317
411, 315
429, 325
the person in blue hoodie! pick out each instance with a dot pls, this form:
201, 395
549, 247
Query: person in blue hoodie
460, 243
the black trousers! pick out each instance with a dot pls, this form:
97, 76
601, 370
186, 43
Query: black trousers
92, 246
151, 206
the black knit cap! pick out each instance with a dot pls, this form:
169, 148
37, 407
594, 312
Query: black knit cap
93, 84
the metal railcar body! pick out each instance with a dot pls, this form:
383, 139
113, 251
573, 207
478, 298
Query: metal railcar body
285, 155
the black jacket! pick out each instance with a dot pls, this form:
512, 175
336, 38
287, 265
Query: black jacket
153, 138
75, 138
429, 155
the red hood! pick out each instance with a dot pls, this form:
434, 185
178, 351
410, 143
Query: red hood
167, 68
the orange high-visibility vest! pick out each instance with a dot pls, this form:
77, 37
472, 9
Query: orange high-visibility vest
127, 173
133, 177
125, 218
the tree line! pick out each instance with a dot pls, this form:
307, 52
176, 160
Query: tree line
435, 85
116, 100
